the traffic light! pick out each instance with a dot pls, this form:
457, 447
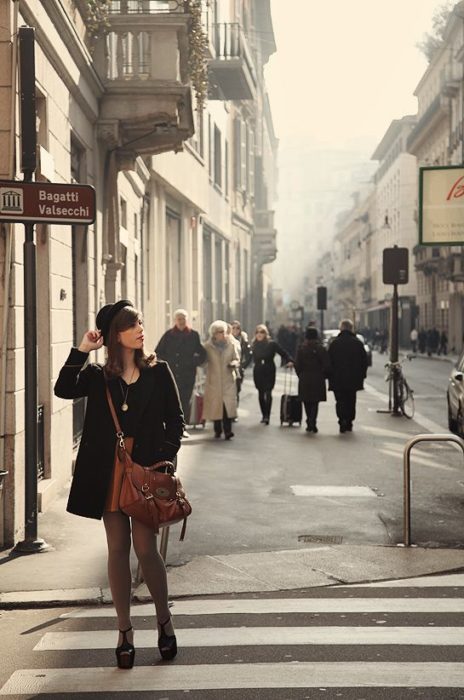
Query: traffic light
322, 298
395, 265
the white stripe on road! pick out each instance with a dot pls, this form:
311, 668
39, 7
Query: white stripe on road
267, 606
235, 676
262, 636
423, 462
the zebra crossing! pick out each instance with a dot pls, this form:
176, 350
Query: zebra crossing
403, 635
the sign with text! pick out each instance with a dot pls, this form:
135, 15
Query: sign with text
46, 202
441, 205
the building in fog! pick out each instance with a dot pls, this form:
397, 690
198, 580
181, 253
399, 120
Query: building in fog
184, 197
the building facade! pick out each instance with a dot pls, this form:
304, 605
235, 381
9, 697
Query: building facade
184, 196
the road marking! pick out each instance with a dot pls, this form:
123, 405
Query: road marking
235, 676
421, 420
423, 461
265, 606
262, 636
331, 491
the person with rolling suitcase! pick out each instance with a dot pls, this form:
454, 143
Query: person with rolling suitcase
264, 350
290, 404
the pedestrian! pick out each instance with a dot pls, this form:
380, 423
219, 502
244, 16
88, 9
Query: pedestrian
443, 349
348, 368
181, 348
147, 404
312, 367
245, 354
223, 361
413, 336
264, 350
422, 340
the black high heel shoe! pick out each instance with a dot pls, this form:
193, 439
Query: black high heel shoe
125, 652
167, 643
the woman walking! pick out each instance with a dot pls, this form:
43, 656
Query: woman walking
264, 371
312, 366
148, 408
223, 361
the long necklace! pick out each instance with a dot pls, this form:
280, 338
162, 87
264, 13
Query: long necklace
125, 405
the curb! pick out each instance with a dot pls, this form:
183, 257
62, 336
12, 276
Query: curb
100, 596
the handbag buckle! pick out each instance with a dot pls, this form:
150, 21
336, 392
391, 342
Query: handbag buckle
146, 492
120, 436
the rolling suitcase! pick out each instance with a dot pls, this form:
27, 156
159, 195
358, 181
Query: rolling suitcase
291, 410
196, 403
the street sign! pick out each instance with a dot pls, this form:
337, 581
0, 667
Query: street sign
395, 267
322, 298
441, 205
46, 202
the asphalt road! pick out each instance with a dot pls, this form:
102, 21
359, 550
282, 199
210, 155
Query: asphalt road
275, 487
377, 642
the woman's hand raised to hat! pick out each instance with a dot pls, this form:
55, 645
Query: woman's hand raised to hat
92, 340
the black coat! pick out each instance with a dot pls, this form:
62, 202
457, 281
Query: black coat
264, 370
312, 366
348, 363
160, 425
183, 351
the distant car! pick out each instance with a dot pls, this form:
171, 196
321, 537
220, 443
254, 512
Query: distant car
455, 398
329, 335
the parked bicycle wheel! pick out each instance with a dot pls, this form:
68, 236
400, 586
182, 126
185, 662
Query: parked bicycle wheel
407, 399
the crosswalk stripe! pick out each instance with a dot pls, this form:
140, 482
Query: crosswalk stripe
263, 636
236, 676
267, 606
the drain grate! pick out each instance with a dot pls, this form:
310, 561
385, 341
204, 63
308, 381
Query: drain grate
325, 539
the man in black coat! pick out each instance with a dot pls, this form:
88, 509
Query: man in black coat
181, 348
348, 361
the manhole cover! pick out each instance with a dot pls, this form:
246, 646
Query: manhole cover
326, 539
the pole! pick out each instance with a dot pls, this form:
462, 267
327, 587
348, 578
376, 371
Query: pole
31, 544
322, 322
394, 348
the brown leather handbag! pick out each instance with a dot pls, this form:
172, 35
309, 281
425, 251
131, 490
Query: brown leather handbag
153, 495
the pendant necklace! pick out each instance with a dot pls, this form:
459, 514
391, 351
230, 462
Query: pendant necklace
125, 405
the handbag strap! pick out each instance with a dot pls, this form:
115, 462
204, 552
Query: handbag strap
119, 432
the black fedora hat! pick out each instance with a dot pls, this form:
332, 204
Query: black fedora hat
106, 315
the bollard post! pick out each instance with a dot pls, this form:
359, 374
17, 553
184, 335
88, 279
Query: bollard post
423, 437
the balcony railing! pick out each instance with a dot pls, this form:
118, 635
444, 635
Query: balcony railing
143, 64
232, 67
128, 7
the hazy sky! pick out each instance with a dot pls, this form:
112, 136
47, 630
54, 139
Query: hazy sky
345, 68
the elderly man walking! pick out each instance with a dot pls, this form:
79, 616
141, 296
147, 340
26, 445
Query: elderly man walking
348, 361
181, 348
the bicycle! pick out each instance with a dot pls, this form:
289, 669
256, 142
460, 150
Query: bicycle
400, 394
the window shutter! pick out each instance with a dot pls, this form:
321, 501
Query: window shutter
236, 146
243, 154
251, 158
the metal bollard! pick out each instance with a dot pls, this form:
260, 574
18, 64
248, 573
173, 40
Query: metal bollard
425, 437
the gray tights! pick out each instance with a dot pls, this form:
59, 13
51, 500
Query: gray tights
118, 535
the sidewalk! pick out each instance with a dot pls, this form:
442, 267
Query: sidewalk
74, 570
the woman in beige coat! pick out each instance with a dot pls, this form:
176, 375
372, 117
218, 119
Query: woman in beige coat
223, 360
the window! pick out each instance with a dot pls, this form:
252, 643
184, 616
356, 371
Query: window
136, 226
123, 212
217, 157
226, 168
210, 148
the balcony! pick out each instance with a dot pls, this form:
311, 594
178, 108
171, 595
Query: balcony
453, 265
264, 239
143, 63
232, 72
435, 112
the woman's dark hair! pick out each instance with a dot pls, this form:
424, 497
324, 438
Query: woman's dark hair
124, 319
311, 333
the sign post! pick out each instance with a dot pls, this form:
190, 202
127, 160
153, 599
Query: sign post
28, 202
395, 271
322, 305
